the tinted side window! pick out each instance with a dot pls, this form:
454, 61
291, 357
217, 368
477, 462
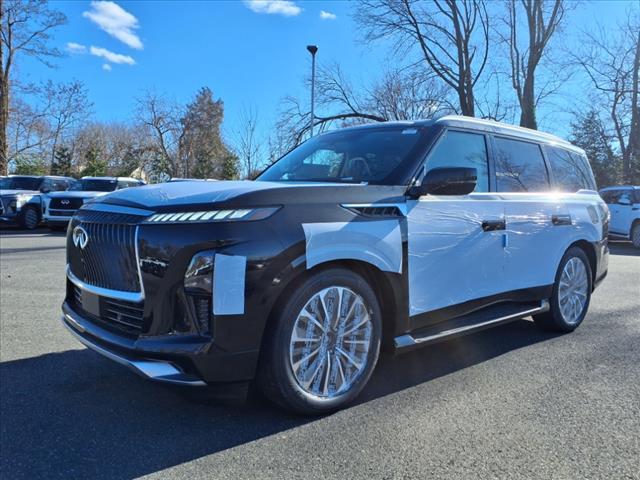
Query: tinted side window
571, 172
462, 149
60, 185
610, 197
625, 197
520, 166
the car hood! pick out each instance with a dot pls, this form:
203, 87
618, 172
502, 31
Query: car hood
76, 194
243, 193
13, 193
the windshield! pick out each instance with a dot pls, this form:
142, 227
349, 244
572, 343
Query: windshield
20, 183
371, 155
94, 186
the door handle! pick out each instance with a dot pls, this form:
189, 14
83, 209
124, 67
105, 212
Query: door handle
493, 225
561, 220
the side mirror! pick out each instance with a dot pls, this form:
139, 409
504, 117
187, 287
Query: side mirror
624, 201
447, 181
45, 190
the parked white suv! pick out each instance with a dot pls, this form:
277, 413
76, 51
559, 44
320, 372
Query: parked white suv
624, 205
59, 207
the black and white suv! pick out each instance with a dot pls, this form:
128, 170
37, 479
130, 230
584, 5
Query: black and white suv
21, 197
59, 207
392, 235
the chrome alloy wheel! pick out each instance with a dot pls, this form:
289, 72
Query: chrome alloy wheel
573, 290
330, 342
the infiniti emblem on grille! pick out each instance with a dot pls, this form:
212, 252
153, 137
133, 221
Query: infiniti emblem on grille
80, 237
64, 202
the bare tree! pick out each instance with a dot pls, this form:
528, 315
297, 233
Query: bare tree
612, 64
451, 35
25, 29
161, 118
247, 145
401, 94
28, 130
543, 18
65, 106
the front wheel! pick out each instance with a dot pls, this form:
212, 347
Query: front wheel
635, 235
30, 218
324, 344
571, 293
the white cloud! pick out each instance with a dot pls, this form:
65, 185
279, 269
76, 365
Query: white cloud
106, 67
76, 47
116, 21
327, 15
275, 7
111, 56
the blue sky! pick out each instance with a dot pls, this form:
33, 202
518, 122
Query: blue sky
249, 55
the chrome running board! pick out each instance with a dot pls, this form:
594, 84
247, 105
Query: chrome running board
470, 323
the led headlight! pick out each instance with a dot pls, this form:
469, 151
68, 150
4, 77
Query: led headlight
21, 200
247, 214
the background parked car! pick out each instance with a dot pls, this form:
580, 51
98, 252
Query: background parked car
21, 197
59, 207
624, 205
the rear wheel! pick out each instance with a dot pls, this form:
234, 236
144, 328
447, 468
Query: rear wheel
571, 293
30, 218
324, 345
635, 235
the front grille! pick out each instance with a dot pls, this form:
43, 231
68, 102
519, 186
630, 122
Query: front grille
61, 213
65, 203
109, 258
116, 315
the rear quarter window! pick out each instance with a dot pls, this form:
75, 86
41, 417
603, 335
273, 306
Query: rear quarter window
520, 166
571, 171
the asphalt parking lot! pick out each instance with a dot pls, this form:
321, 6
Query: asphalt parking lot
511, 402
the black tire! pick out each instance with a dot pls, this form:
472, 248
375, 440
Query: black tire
276, 378
635, 234
553, 320
30, 218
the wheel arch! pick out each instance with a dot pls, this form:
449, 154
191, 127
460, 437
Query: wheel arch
590, 251
385, 285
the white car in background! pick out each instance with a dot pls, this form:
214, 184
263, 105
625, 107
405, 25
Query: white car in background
59, 207
624, 205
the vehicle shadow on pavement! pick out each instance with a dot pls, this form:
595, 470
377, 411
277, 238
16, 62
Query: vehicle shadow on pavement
76, 415
623, 248
40, 231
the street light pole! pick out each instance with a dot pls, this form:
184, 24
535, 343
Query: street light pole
312, 50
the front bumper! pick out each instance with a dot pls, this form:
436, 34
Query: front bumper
58, 217
153, 369
183, 360
157, 370
9, 218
